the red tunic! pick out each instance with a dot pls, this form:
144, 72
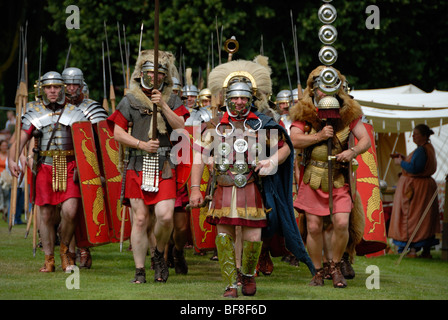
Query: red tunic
316, 201
44, 192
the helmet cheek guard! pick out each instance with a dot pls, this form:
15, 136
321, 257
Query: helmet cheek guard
60, 100
73, 75
233, 112
147, 80
238, 90
52, 78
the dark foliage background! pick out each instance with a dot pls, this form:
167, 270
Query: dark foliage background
409, 46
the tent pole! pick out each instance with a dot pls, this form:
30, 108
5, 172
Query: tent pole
390, 159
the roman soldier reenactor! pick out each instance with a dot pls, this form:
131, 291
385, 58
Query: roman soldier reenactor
75, 94
284, 102
150, 175
253, 167
190, 92
324, 119
49, 121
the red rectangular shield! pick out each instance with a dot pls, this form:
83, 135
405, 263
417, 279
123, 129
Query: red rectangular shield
203, 233
367, 184
109, 157
93, 226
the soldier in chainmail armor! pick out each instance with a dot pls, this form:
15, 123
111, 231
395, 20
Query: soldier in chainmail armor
150, 183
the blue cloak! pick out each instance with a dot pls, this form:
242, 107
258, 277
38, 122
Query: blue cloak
277, 193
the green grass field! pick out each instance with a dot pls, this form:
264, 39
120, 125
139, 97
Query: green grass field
111, 272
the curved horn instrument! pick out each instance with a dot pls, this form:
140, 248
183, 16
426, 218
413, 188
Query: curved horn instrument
231, 46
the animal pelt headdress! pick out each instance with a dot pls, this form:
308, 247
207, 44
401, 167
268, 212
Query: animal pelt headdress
305, 110
166, 59
260, 73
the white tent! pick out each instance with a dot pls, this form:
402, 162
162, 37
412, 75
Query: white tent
399, 109
402, 98
394, 112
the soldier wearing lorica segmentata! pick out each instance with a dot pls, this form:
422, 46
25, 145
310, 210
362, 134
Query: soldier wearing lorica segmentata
75, 85
50, 121
53, 121
75, 94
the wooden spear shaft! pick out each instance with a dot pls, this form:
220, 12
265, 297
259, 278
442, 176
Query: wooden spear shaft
22, 92
111, 83
156, 66
417, 227
35, 212
105, 103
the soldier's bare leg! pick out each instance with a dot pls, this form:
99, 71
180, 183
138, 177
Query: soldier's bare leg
180, 229
164, 211
68, 219
339, 244
315, 240
163, 228
180, 237
340, 235
46, 228
140, 229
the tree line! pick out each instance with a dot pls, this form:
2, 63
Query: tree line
406, 48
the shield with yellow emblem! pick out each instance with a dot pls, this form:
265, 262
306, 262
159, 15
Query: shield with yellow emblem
118, 214
93, 225
203, 233
367, 184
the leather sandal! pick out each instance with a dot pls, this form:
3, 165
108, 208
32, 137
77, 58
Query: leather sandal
180, 264
248, 285
338, 279
265, 264
231, 293
161, 271
346, 267
327, 271
318, 279
85, 258
140, 276
67, 258
48, 264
